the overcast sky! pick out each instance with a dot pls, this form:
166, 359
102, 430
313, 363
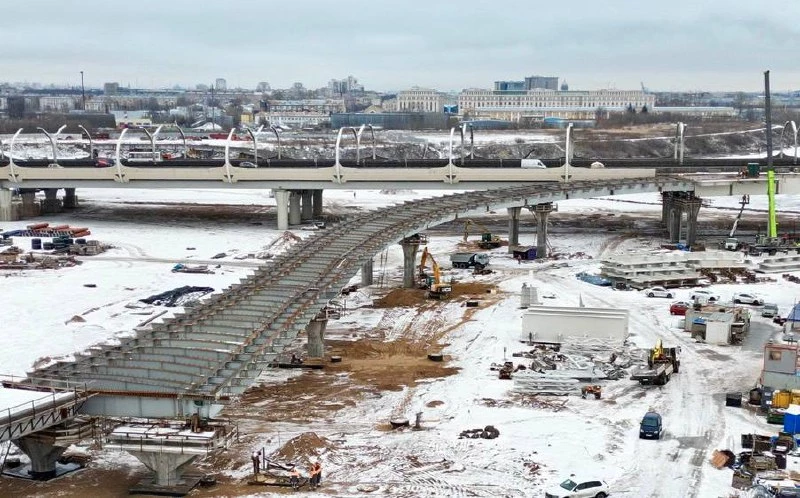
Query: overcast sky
670, 45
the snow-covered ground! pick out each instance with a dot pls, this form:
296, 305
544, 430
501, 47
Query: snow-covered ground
595, 437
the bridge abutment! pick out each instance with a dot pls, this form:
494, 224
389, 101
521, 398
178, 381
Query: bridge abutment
366, 274
513, 228
542, 212
294, 208
44, 455
317, 203
282, 203
307, 208
70, 199
315, 347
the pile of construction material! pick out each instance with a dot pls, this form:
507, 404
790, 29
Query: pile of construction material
15, 258
45, 230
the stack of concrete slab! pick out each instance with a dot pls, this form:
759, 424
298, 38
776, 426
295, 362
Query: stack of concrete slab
671, 269
780, 263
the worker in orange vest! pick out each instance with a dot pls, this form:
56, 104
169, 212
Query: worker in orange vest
317, 474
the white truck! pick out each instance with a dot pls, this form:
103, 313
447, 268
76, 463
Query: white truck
477, 260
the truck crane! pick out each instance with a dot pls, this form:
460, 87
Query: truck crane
732, 243
432, 283
771, 243
488, 241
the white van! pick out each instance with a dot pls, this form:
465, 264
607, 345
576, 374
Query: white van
533, 163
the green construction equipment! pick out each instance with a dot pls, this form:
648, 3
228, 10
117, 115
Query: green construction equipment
773, 221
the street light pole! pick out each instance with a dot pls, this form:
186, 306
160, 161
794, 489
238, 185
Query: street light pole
83, 93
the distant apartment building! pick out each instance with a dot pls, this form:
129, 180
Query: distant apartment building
3, 103
110, 88
300, 113
348, 85
56, 104
535, 105
420, 100
132, 119
220, 85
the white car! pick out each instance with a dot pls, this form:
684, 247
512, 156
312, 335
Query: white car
658, 292
704, 295
745, 298
579, 488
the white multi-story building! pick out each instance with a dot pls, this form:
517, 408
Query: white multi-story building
59, 104
303, 112
420, 100
539, 104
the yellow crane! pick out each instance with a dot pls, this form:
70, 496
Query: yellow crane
488, 241
433, 283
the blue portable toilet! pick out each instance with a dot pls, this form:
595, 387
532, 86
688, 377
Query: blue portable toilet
791, 419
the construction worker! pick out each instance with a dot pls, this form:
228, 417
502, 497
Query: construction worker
317, 474
294, 478
256, 462
312, 475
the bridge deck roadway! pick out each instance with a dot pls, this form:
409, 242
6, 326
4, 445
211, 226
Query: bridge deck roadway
238, 344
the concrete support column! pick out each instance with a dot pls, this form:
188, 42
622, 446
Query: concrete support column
692, 212
282, 202
315, 348
167, 467
294, 208
43, 455
51, 203
307, 210
410, 247
366, 274
70, 199
316, 203
675, 221
513, 228
29, 207
542, 212
6, 209
666, 205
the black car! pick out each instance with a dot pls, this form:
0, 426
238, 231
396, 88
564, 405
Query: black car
651, 426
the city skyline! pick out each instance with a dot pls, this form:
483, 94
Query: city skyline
718, 46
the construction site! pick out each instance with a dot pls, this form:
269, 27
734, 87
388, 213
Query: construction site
387, 347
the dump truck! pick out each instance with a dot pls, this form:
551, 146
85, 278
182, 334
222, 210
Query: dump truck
469, 260
661, 364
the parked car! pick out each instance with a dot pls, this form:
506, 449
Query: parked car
658, 292
102, 163
745, 298
769, 310
247, 164
651, 426
579, 487
704, 295
679, 308
779, 320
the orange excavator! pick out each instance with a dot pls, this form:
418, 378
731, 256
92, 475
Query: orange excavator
432, 283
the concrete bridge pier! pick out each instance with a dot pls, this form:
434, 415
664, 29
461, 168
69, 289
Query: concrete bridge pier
316, 210
70, 199
315, 348
675, 222
689, 204
167, 467
282, 203
307, 209
366, 274
410, 246
666, 206
294, 208
542, 212
513, 228
43, 454
29, 207
51, 204
6, 208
